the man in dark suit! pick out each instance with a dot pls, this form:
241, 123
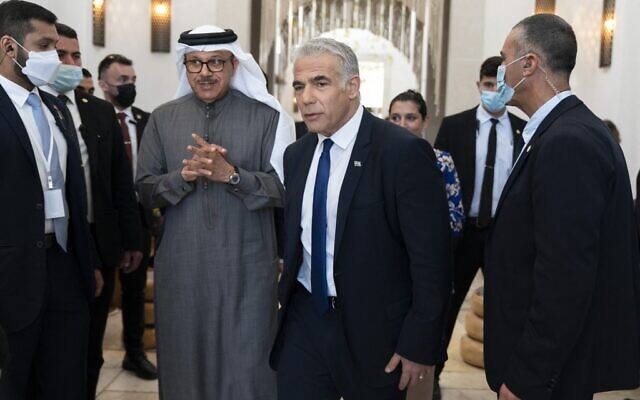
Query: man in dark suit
367, 274
113, 212
562, 311
117, 79
483, 153
4, 351
46, 254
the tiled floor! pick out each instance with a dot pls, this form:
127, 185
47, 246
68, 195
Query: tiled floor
459, 381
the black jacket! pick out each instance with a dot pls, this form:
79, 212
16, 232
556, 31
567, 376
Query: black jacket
392, 264
115, 210
23, 270
457, 136
562, 298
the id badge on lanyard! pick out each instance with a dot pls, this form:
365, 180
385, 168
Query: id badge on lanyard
53, 197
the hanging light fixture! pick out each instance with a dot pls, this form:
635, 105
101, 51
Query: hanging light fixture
161, 26
545, 7
98, 13
607, 30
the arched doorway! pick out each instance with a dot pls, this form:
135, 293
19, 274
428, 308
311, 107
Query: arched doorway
415, 29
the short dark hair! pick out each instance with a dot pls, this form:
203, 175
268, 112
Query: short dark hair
489, 67
86, 73
110, 59
66, 31
552, 39
16, 16
416, 97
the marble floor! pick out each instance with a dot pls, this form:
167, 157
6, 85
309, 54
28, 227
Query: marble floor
459, 381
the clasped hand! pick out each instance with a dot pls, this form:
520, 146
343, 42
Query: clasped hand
208, 160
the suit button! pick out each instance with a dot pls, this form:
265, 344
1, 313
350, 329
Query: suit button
39, 244
39, 206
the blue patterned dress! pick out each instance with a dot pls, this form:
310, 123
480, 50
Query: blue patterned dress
444, 161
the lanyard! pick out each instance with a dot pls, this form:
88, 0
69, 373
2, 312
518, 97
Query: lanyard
46, 158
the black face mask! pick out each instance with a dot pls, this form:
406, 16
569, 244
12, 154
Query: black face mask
126, 95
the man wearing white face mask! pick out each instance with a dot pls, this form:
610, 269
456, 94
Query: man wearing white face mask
46, 254
483, 152
113, 211
562, 283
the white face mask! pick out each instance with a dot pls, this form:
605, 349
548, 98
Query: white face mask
41, 67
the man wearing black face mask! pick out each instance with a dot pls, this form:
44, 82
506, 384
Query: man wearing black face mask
117, 80
113, 212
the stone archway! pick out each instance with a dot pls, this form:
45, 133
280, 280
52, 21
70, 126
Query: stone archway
416, 28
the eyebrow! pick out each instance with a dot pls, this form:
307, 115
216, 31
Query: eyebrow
320, 78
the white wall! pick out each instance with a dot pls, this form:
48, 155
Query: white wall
478, 29
128, 31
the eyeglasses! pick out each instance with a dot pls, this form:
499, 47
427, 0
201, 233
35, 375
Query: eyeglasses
194, 66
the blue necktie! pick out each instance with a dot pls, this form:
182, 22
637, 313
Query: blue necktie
60, 225
319, 287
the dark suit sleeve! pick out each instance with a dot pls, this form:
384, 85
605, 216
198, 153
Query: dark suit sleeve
424, 223
4, 350
122, 190
570, 184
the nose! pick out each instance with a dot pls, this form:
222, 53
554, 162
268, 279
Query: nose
305, 96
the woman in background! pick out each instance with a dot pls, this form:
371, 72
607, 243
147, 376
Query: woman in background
409, 110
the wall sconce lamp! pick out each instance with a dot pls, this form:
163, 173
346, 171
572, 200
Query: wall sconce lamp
98, 21
608, 28
161, 26
545, 7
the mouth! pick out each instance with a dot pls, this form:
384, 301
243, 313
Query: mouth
208, 84
311, 116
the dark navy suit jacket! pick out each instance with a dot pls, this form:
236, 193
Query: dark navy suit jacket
22, 251
392, 263
562, 298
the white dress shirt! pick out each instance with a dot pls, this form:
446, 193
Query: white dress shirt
504, 157
340, 154
539, 116
133, 135
18, 96
84, 153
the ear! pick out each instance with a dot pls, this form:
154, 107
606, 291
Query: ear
530, 64
8, 46
103, 85
478, 86
353, 87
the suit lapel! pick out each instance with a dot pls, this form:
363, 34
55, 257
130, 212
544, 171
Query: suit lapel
561, 108
517, 133
58, 115
470, 145
8, 110
140, 124
352, 176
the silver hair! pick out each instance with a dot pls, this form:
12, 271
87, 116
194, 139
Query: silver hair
347, 58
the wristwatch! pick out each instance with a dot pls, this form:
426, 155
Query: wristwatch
234, 178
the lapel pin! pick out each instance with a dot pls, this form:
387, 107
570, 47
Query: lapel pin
528, 148
138, 116
84, 100
357, 164
518, 132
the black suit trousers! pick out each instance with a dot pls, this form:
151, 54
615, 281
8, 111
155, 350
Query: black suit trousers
133, 285
468, 257
315, 362
48, 357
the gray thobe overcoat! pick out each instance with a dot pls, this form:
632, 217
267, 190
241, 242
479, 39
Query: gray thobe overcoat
216, 267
